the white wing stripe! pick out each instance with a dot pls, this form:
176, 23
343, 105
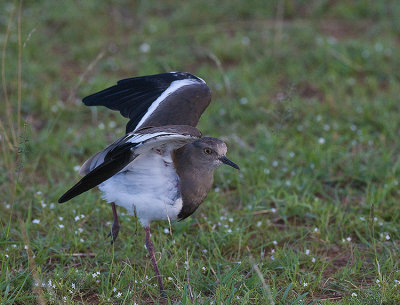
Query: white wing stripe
137, 138
175, 85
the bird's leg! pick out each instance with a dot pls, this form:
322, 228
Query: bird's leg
150, 248
115, 227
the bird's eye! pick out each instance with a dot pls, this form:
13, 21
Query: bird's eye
207, 151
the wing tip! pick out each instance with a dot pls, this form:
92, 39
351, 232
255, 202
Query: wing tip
64, 198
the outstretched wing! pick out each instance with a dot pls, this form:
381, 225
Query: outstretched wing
180, 99
118, 155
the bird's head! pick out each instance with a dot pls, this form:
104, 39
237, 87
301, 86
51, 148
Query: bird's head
211, 152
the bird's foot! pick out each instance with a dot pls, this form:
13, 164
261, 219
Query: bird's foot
114, 232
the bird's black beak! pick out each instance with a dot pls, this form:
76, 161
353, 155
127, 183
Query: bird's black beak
226, 161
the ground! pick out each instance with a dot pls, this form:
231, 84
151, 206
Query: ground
305, 94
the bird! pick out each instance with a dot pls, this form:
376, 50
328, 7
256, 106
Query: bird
162, 168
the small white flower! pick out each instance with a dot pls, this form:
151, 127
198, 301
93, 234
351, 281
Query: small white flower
26, 247
80, 230
354, 294
275, 163
229, 231
52, 206
387, 237
76, 218
377, 281
275, 242
272, 258
313, 260
166, 230
82, 240
348, 239
273, 210
170, 278
273, 251
77, 168
230, 219
73, 286
204, 251
144, 47
36, 221
315, 229
6, 255
204, 268
119, 294
114, 289
362, 218
259, 223
291, 154
243, 101
305, 284
307, 251
101, 126
245, 41
60, 218
8, 206
321, 141
61, 226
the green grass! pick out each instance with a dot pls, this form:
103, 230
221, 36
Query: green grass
306, 95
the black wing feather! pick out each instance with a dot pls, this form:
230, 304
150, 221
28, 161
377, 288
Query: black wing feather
133, 96
115, 160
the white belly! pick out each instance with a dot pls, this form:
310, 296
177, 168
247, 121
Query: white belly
149, 185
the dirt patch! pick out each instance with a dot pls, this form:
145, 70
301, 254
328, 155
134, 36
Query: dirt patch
308, 90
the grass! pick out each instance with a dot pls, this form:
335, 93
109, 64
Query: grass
305, 93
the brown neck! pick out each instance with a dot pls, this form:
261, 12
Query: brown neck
195, 180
